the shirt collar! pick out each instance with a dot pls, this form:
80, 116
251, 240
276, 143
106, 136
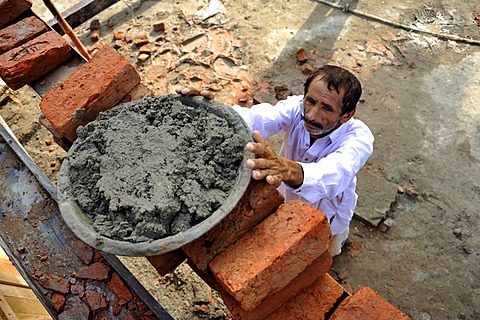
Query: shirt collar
339, 132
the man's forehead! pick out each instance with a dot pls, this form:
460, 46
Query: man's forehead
322, 82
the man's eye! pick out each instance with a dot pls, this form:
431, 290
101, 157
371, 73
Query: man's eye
328, 108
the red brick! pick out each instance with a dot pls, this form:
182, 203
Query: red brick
366, 304
259, 200
272, 254
21, 32
313, 303
54, 282
83, 251
167, 262
33, 59
58, 301
206, 276
59, 138
303, 281
11, 9
97, 85
95, 300
95, 271
118, 288
139, 92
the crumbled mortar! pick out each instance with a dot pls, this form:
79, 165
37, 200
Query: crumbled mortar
152, 168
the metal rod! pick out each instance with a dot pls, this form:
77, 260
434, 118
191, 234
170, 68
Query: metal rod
346, 9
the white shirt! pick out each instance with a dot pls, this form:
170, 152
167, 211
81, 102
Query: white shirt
330, 165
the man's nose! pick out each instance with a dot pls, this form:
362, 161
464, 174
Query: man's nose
311, 113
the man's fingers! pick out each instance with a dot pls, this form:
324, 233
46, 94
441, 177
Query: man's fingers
274, 181
257, 137
271, 179
250, 164
256, 148
261, 164
190, 91
206, 94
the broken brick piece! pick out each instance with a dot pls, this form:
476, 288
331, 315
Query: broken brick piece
302, 55
78, 311
78, 288
307, 69
140, 39
95, 300
159, 27
21, 32
58, 301
11, 9
95, 271
54, 282
83, 251
118, 288
98, 85
117, 35
273, 253
258, 201
367, 304
164, 263
33, 59
303, 281
313, 303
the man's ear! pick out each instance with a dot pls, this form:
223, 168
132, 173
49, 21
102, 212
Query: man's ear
346, 116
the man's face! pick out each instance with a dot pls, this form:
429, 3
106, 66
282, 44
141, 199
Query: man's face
323, 109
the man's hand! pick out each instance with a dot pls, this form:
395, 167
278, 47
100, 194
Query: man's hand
270, 166
194, 92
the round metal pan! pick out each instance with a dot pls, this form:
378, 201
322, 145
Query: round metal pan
82, 226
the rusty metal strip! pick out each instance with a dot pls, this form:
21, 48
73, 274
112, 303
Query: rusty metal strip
40, 244
81, 12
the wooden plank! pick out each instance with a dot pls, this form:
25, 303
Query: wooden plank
3, 255
35, 317
31, 307
6, 312
10, 275
14, 291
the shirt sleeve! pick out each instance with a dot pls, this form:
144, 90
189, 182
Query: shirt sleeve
271, 119
333, 174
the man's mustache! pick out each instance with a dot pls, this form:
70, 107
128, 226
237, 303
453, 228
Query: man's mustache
312, 122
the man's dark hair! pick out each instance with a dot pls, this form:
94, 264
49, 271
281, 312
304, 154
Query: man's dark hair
337, 78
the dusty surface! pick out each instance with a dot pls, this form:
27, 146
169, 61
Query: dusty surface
420, 100
153, 168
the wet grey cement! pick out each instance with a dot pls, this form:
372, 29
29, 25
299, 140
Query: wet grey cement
152, 168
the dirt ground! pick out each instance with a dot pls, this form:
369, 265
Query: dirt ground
420, 100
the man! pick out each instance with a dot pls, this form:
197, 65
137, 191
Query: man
324, 147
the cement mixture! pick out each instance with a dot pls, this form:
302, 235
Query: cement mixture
152, 168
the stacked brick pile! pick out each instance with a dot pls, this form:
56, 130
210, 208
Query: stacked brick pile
267, 260
28, 49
